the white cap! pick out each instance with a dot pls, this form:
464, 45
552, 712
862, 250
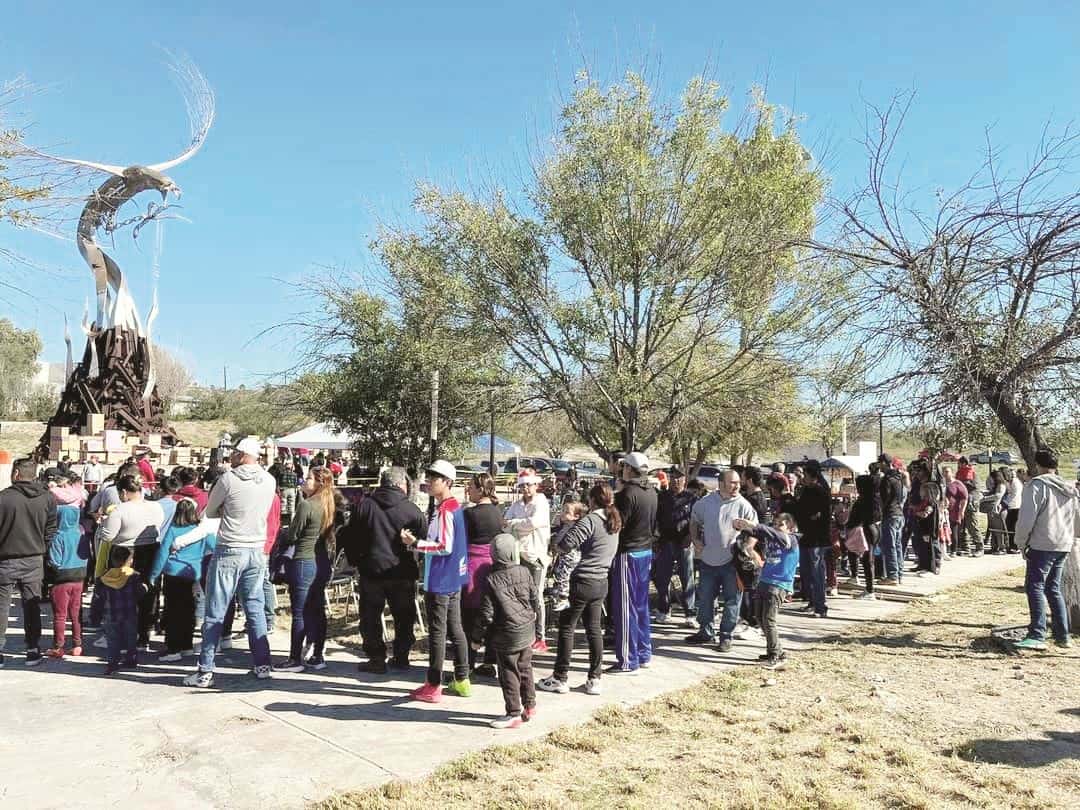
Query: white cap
249, 447
528, 477
443, 468
639, 461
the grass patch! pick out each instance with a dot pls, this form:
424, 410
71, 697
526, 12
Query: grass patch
920, 711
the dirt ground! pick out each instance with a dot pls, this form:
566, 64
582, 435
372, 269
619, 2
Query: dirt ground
921, 710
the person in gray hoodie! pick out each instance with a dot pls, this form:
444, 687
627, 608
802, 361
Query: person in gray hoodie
1046, 530
241, 498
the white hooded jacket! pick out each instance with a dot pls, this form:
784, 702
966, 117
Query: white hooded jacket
242, 498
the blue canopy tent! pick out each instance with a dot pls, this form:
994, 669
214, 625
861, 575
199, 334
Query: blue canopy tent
482, 444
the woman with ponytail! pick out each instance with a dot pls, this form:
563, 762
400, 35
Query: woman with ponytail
597, 537
483, 520
311, 536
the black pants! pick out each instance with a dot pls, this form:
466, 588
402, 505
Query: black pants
1010, 526
144, 561
469, 618
24, 574
444, 619
926, 546
375, 594
516, 679
586, 599
179, 614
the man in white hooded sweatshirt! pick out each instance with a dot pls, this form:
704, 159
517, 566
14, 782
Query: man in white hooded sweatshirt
241, 498
1046, 530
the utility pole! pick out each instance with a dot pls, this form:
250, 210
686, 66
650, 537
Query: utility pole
491, 434
434, 414
881, 430
225, 377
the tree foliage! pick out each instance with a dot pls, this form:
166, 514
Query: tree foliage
174, 377
19, 350
649, 237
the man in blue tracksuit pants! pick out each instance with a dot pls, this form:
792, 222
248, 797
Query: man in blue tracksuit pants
636, 502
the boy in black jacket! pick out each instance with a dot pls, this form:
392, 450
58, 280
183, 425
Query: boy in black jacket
509, 608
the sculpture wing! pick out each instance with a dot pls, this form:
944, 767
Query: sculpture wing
118, 171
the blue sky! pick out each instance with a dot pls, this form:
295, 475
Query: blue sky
329, 112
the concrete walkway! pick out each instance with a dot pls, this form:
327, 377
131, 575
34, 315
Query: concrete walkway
72, 738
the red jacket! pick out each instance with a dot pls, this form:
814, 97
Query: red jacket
197, 494
273, 523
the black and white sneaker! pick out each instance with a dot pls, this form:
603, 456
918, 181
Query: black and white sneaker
33, 658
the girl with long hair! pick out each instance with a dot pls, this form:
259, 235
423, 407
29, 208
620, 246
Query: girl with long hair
311, 535
597, 537
483, 520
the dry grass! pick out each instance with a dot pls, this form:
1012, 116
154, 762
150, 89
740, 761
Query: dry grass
923, 710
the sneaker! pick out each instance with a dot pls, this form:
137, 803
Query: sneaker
485, 671
724, 646
553, 684
833, 592
868, 595
645, 664
698, 638
592, 686
540, 645
819, 615
55, 652
188, 652
740, 628
372, 667
1030, 643
198, 679
226, 644
33, 658
399, 665
318, 664
1064, 643
507, 721
462, 688
170, 658
101, 642
774, 663
561, 605
264, 672
528, 714
428, 693
239, 636
76, 651
617, 669
690, 622
661, 618
890, 581
289, 666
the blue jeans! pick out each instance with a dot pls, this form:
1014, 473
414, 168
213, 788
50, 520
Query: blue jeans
892, 552
235, 570
812, 572
1044, 570
722, 581
672, 558
307, 594
121, 634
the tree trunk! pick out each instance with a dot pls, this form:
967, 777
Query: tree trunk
1022, 429
1070, 587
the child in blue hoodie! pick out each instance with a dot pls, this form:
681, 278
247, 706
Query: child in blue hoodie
181, 563
69, 550
779, 547
115, 606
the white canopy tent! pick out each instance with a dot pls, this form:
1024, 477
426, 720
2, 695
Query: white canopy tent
319, 436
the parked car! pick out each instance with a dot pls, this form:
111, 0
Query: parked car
541, 465
999, 457
709, 475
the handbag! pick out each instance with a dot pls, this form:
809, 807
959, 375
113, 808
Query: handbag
855, 541
279, 565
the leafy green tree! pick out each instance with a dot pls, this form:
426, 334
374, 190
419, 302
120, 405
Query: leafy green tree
19, 350
648, 237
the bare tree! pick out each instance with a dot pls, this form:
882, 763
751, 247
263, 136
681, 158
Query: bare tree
174, 378
975, 303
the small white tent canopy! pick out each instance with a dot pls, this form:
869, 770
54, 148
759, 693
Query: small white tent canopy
319, 436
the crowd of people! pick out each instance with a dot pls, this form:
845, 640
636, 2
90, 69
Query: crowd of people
179, 551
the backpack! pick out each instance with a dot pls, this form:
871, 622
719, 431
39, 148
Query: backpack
747, 561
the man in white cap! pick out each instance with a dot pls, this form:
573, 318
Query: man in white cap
241, 498
445, 573
636, 502
529, 520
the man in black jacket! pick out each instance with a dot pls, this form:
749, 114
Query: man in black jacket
386, 567
27, 524
636, 502
892, 521
675, 552
813, 513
